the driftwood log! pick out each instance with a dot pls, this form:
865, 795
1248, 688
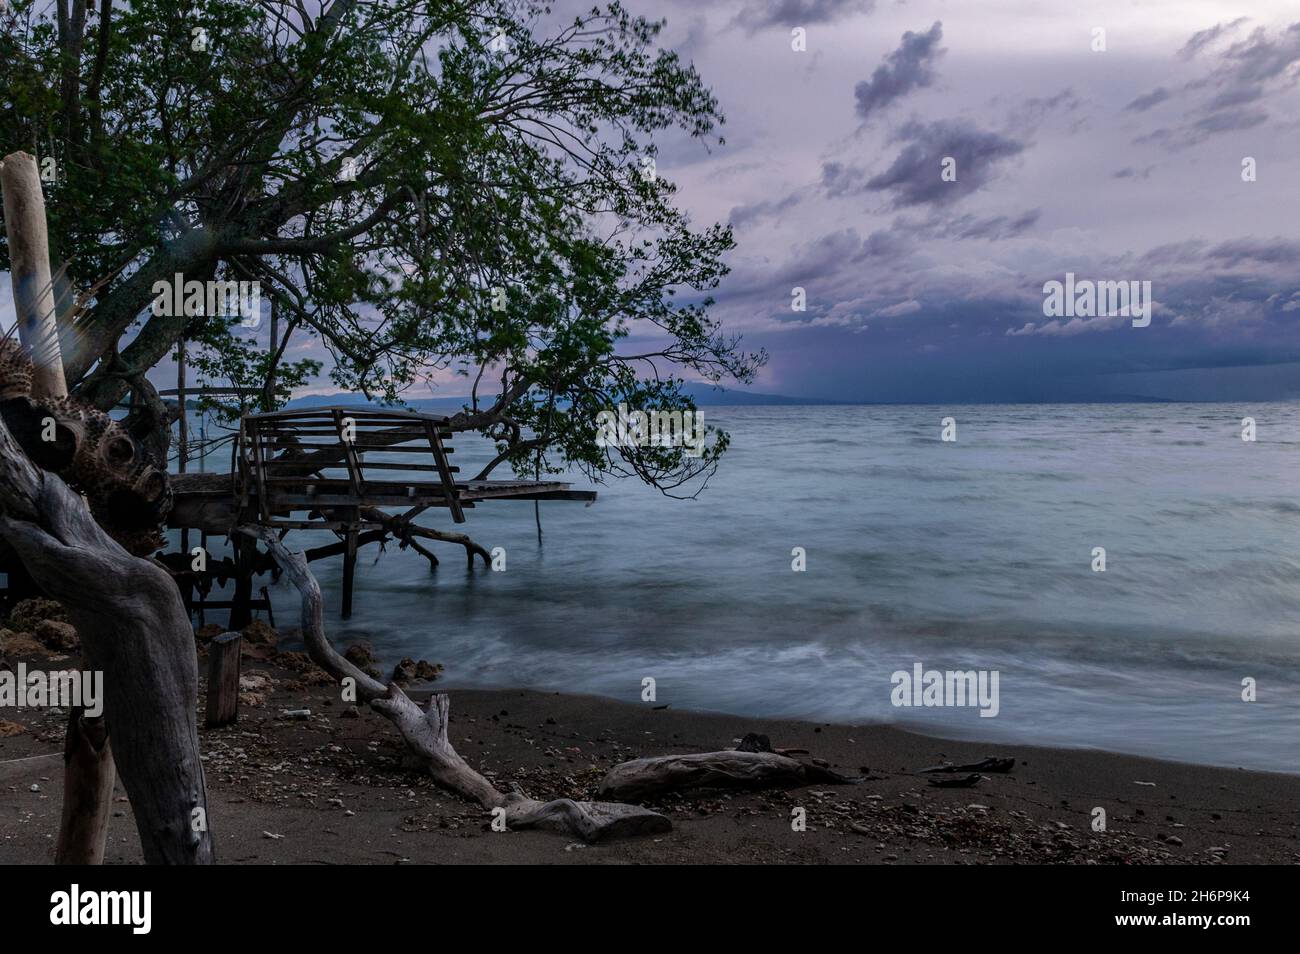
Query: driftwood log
425, 732
88, 777
728, 769
29, 267
135, 630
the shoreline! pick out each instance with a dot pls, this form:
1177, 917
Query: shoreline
333, 789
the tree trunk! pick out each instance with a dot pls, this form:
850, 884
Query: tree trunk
29, 263
134, 629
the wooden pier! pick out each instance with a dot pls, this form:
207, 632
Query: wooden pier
335, 469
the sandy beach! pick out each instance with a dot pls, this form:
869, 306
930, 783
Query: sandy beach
332, 789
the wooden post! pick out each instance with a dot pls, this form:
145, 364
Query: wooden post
88, 777
349, 569
29, 263
223, 679
241, 608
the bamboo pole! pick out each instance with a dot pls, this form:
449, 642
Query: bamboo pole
29, 263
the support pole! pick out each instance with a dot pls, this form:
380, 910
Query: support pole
88, 777
241, 609
223, 679
183, 443
349, 569
29, 263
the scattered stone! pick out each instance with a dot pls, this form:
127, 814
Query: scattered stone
362, 656
426, 671
19, 644
754, 742
30, 612
57, 635
404, 672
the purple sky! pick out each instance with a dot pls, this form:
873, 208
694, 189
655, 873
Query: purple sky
1117, 165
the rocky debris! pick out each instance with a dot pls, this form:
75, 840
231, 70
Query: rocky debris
990, 764
28, 613
408, 670
259, 640
754, 742
362, 655
57, 635
254, 688
20, 644
426, 671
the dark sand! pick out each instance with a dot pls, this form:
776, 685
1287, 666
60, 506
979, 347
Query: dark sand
332, 790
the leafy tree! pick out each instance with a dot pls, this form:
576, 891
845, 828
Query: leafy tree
466, 185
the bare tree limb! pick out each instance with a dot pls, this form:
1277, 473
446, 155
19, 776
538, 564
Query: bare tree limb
425, 731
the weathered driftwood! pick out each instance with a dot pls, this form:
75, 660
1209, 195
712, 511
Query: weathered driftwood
29, 267
729, 769
88, 778
990, 764
401, 527
425, 732
135, 630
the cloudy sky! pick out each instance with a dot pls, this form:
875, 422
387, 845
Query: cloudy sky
1119, 164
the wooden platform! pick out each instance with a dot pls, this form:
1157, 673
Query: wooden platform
295, 469
335, 468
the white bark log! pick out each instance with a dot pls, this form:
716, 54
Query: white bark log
29, 258
425, 732
729, 769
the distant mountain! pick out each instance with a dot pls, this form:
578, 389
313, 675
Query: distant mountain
703, 394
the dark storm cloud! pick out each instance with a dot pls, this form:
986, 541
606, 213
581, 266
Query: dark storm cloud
1260, 58
1230, 121
909, 67
1204, 38
914, 177
757, 211
1248, 72
989, 228
1276, 251
757, 14
1147, 100
840, 180
1026, 118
